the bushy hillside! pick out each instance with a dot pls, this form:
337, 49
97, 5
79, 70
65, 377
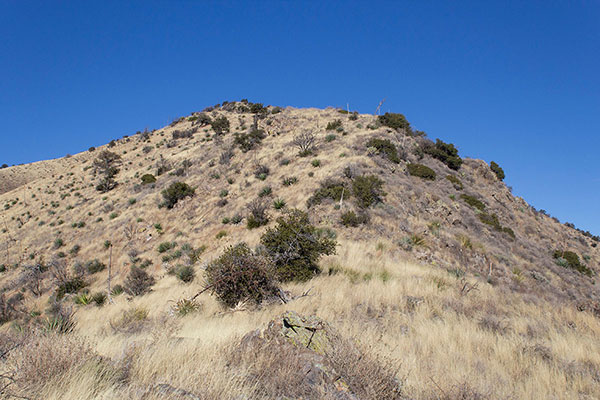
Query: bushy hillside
149, 213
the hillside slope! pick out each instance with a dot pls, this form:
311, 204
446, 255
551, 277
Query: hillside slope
429, 220
427, 243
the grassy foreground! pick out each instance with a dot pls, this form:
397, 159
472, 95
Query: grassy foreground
444, 336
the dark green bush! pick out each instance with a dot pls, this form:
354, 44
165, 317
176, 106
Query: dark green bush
295, 246
350, 218
240, 275
334, 125
458, 185
147, 179
445, 152
99, 298
572, 261
385, 147
138, 282
421, 171
367, 190
490, 219
247, 141
395, 121
497, 170
70, 286
166, 246
473, 201
330, 189
220, 125
175, 192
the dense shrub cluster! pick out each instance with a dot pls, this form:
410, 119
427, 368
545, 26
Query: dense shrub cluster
571, 260
386, 147
148, 179
247, 141
421, 171
497, 170
175, 192
368, 190
395, 121
240, 275
295, 246
220, 125
445, 152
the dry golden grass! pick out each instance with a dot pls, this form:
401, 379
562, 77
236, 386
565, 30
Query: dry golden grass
446, 337
444, 344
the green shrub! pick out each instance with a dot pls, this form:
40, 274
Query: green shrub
334, 125
166, 246
221, 234
94, 266
473, 201
490, 219
295, 246
138, 282
497, 170
421, 171
185, 273
175, 192
330, 138
265, 191
395, 121
445, 152
367, 190
220, 125
350, 218
99, 298
58, 243
384, 146
458, 185
330, 189
571, 260
316, 163
247, 141
69, 286
240, 275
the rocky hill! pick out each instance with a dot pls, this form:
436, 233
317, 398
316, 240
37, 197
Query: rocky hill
178, 196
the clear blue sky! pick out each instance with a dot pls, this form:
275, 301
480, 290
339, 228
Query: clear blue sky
515, 82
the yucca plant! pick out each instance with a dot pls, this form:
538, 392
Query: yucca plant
278, 203
183, 307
